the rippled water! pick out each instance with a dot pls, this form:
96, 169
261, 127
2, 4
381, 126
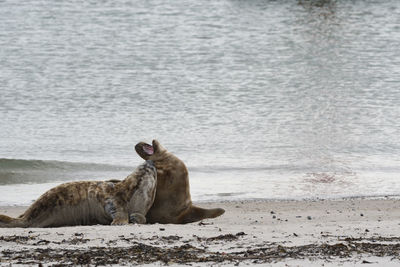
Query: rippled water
261, 99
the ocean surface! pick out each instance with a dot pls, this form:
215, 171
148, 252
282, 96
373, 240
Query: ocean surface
261, 99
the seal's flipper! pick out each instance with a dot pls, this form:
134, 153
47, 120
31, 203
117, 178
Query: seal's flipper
137, 218
194, 214
8, 222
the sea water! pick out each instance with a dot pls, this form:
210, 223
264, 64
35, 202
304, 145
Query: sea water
261, 99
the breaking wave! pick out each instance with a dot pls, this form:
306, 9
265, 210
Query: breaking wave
21, 171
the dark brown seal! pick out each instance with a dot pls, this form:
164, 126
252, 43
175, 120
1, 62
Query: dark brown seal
92, 202
172, 203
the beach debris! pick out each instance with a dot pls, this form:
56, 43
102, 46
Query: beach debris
42, 242
366, 262
226, 237
17, 239
138, 253
171, 237
201, 223
222, 237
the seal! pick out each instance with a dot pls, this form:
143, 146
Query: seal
92, 202
173, 202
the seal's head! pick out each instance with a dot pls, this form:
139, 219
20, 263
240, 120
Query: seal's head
150, 152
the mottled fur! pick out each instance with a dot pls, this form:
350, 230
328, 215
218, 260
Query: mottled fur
173, 202
92, 202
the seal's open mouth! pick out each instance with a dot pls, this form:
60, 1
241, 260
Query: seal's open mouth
148, 149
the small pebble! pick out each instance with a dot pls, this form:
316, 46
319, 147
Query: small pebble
273, 217
361, 214
162, 229
309, 218
272, 212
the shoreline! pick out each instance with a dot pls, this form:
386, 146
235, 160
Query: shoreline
309, 232
8, 207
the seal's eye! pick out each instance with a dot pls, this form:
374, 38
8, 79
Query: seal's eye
148, 149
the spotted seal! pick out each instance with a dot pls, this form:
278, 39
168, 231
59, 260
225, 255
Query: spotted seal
92, 202
173, 202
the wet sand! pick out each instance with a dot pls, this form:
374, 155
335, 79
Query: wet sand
281, 233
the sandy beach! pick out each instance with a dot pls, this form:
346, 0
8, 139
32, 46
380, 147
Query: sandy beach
281, 233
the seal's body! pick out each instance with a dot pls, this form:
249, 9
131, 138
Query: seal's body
92, 202
172, 203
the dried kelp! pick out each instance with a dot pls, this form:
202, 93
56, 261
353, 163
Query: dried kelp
139, 253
